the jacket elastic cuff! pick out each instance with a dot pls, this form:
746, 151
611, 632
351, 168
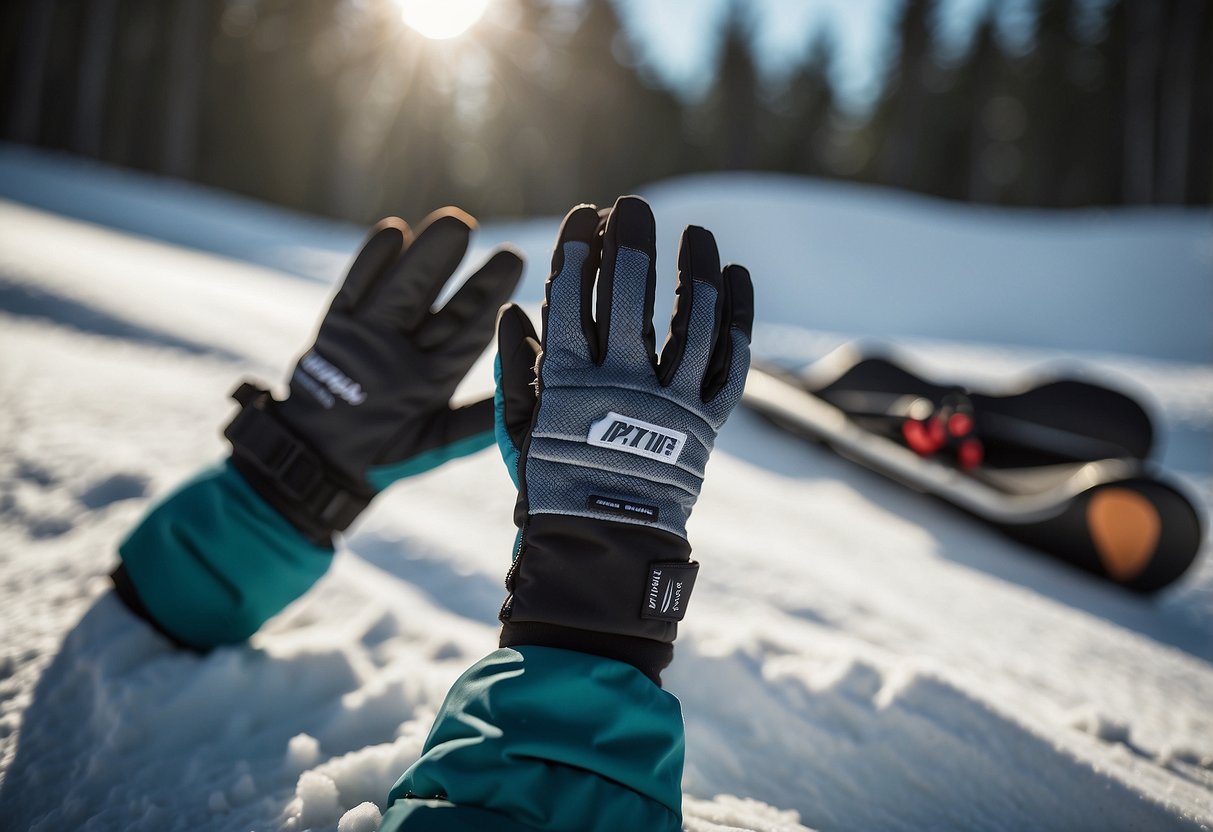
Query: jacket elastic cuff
646, 655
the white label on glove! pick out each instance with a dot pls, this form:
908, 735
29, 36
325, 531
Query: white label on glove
623, 433
312, 367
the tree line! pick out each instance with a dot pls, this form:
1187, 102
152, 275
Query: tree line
334, 107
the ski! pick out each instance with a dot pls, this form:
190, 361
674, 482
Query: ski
1074, 487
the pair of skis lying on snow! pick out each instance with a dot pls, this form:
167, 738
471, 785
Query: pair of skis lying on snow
1060, 465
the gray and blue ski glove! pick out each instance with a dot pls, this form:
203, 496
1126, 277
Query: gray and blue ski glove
369, 402
606, 442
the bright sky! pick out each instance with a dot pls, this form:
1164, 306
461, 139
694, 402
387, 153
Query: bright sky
680, 38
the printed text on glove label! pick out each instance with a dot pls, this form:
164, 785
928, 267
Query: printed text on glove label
633, 436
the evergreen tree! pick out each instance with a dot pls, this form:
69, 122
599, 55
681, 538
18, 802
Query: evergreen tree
1095, 155
94, 64
992, 156
806, 113
267, 113
1200, 167
1051, 102
729, 123
1146, 25
661, 123
26, 34
53, 109
1189, 21
570, 117
335, 106
414, 157
512, 159
190, 25
903, 122
136, 90
605, 127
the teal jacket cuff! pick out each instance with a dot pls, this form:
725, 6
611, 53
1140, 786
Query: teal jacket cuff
538, 738
213, 561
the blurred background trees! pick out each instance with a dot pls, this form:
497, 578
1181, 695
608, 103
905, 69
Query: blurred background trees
335, 107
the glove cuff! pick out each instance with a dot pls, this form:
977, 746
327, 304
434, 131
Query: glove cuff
610, 588
648, 656
287, 473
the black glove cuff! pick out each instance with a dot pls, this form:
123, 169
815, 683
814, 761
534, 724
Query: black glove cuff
648, 656
609, 588
287, 473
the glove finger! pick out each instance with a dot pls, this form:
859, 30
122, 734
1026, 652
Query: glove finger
404, 296
517, 396
627, 280
725, 364
465, 322
384, 245
568, 323
698, 313
741, 299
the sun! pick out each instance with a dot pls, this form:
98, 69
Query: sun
442, 19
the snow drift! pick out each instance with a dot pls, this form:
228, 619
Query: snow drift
857, 656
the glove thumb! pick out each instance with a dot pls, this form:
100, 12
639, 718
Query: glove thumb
516, 395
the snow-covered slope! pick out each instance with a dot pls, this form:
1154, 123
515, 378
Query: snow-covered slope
857, 657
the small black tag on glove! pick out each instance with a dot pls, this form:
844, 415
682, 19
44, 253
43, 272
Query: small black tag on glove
624, 508
668, 590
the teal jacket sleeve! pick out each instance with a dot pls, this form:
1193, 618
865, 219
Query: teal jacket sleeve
213, 561
535, 739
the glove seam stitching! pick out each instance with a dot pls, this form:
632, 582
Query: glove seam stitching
613, 471
578, 440
588, 516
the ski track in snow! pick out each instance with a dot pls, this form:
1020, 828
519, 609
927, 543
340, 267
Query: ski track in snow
858, 656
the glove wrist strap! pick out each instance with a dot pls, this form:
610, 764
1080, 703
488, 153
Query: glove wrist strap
284, 470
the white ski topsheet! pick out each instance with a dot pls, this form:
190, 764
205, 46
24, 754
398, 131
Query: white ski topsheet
856, 657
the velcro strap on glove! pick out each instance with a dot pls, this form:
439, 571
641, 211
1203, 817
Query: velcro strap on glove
287, 473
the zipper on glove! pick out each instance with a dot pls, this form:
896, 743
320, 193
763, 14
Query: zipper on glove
507, 606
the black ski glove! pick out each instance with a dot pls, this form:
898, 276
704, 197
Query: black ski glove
608, 445
369, 402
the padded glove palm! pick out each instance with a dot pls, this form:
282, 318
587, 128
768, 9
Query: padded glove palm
606, 443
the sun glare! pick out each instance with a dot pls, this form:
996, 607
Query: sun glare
442, 19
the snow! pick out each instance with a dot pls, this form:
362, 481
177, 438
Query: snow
365, 817
856, 657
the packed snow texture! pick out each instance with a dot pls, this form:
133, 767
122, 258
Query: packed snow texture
856, 656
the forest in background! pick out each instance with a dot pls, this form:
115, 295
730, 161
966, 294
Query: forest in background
336, 108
